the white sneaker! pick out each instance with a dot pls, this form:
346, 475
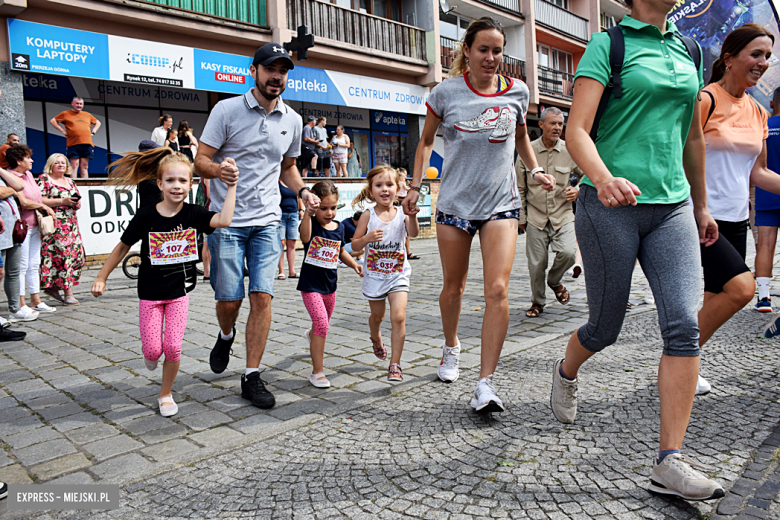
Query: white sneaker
23, 314
649, 298
448, 368
151, 365
4, 323
676, 476
42, 307
702, 386
319, 380
485, 399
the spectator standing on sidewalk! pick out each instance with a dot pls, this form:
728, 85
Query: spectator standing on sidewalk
323, 153
160, 134
11, 140
260, 136
547, 216
78, 127
10, 253
308, 147
647, 159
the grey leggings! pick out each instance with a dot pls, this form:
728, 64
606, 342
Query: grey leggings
665, 239
12, 258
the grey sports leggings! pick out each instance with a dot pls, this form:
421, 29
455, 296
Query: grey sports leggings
665, 239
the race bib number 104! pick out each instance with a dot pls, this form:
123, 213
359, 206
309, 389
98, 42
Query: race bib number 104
323, 252
173, 247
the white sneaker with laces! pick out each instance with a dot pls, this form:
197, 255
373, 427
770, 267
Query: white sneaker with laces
487, 120
563, 397
485, 399
649, 298
448, 368
702, 386
42, 307
504, 127
676, 475
23, 314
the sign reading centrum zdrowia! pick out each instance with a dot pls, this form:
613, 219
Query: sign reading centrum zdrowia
710, 21
48, 49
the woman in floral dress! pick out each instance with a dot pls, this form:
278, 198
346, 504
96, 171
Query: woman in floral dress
62, 252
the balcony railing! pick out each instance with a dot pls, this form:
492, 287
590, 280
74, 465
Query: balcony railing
247, 11
338, 23
555, 83
558, 18
510, 66
511, 5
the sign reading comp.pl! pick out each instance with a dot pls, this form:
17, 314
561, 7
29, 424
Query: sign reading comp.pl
48, 49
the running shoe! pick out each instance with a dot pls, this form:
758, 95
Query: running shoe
485, 399
3, 490
773, 328
487, 120
220, 354
42, 307
23, 314
504, 127
563, 398
649, 298
253, 388
702, 386
151, 365
676, 475
448, 368
764, 305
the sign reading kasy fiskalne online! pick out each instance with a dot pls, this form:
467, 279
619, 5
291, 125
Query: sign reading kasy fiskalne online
49, 49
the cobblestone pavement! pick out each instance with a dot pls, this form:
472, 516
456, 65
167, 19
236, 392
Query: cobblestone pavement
78, 406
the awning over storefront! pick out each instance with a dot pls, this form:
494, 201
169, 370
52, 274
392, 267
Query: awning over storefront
56, 50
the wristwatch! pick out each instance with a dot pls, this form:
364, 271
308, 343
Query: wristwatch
300, 192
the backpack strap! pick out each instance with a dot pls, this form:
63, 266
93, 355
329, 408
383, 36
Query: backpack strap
692, 47
617, 52
712, 107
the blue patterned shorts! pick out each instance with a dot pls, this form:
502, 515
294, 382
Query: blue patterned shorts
471, 226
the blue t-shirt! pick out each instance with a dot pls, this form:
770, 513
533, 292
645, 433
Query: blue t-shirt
349, 230
764, 199
289, 203
318, 279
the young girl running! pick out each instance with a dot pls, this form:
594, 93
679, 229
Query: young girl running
383, 229
167, 231
323, 245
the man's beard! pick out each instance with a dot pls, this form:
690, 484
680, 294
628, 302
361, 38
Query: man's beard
267, 95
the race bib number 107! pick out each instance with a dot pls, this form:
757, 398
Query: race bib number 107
323, 252
173, 247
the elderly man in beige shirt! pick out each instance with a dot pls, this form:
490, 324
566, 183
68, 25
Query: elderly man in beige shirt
548, 217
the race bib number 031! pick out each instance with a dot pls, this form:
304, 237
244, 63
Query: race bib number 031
173, 247
384, 264
323, 252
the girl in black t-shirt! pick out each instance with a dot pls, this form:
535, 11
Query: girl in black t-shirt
323, 246
167, 231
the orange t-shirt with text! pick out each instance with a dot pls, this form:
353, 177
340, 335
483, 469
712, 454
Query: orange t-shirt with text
78, 125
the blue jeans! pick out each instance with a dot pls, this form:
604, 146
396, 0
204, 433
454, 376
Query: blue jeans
288, 230
229, 246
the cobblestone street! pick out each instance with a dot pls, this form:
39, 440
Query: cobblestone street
78, 406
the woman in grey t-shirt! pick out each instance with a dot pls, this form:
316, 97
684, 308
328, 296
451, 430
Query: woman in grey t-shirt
482, 119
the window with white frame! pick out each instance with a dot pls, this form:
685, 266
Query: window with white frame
555, 59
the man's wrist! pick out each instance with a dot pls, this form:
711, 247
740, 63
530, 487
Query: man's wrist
300, 192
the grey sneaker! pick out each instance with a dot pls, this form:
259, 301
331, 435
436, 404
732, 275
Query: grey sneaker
676, 476
563, 398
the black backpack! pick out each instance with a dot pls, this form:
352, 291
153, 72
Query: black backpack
617, 53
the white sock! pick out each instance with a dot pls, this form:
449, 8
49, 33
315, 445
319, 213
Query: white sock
250, 370
763, 287
226, 337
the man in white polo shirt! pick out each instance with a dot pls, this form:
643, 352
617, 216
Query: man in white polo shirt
260, 136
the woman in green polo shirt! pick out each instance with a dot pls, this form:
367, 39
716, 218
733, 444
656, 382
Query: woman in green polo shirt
633, 204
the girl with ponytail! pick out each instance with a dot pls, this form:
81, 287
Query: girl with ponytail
167, 232
382, 230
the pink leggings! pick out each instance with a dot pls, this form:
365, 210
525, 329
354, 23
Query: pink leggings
320, 307
154, 340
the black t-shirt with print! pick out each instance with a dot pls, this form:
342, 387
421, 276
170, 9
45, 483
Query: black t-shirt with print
313, 277
164, 282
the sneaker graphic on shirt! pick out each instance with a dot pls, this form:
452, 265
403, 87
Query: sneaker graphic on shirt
503, 129
487, 120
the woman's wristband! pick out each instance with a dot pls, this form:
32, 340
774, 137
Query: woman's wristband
536, 170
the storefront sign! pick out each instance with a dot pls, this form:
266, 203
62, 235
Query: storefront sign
68, 52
